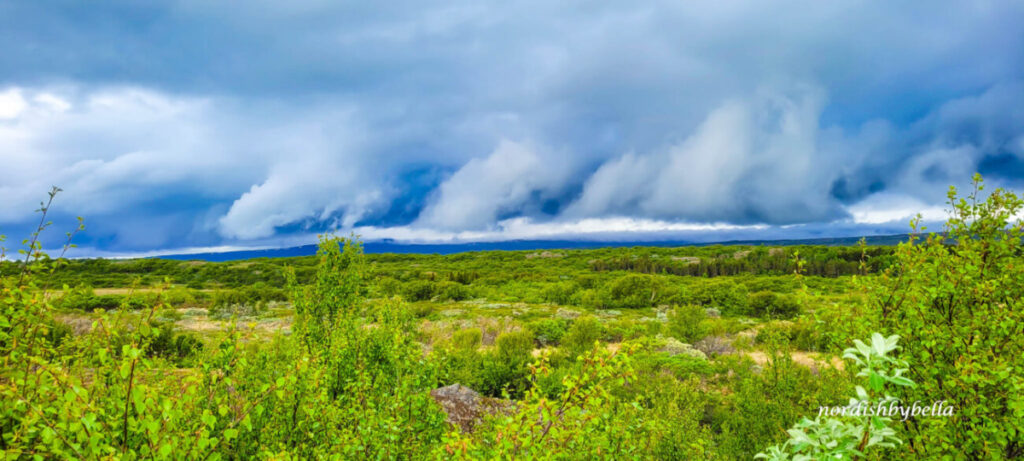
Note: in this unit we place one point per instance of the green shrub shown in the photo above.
(550, 331)
(633, 291)
(745, 421)
(83, 298)
(418, 290)
(852, 436)
(559, 292)
(467, 339)
(515, 347)
(623, 330)
(724, 326)
(462, 362)
(179, 297)
(504, 370)
(582, 421)
(582, 334)
(421, 309)
(57, 333)
(772, 305)
(168, 344)
(957, 303)
(451, 291)
(388, 286)
(257, 294)
(588, 298)
(727, 296)
(686, 323)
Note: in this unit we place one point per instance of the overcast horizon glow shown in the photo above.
(194, 124)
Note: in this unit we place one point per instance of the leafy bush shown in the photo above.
(726, 296)
(836, 438)
(623, 330)
(583, 421)
(388, 286)
(588, 298)
(451, 291)
(686, 323)
(582, 334)
(634, 291)
(418, 290)
(83, 298)
(57, 333)
(681, 365)
(559, 293)
(421, 309)
(549, 332)
(957, 302)
(467, 339)
(505, 369)
(350, 374)
(745, 421)
(803, 333)
(258, 294)
(515, 346)
(772, 305)
(168, 344)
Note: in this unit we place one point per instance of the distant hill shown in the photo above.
(514, 245)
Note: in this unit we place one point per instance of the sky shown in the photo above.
(192, 124)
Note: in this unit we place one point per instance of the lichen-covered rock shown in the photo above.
(466, 407)
(676, 347)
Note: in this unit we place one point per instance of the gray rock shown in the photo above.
(466, 407)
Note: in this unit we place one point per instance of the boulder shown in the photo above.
(466, 407)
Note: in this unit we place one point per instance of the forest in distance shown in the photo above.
(710, 352)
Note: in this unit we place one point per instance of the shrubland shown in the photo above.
(632, 353)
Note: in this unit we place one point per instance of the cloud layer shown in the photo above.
(185, 124)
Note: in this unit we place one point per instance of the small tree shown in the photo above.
(956, 300)
(685, 323)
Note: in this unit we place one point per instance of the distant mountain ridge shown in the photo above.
(517, 245)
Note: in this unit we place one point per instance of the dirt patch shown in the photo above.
(199, 324)
(808, 359)
(274, 325)
(123, 291)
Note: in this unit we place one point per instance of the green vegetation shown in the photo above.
(626, 353)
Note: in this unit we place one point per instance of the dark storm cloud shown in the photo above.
(220, 123)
